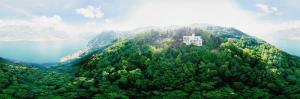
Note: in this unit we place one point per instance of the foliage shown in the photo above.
(156, 64)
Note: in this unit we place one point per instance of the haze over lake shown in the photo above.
(39, 52)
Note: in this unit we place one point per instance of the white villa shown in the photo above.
(195, 40)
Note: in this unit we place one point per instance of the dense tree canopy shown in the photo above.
(157, 64)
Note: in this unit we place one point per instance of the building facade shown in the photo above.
(192, 40)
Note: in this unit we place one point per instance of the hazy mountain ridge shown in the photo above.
(103, 39)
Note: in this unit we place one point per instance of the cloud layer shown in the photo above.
(92, 19)
(90, 12)
(44, 28)
(266, 10)
(216, 12)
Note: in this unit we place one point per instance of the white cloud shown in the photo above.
(38, 29)
(109, 21)
(216, 12)
(149, 13)
(91, 12)
(267, 10)
(44, 28)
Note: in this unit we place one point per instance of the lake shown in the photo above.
(39, 52)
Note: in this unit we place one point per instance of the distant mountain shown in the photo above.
(106, 38)
(101, 40)
(2, 60)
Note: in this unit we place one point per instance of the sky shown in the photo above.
(54, 20)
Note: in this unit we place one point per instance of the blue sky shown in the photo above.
(16, 9)
(276, 21)
(66, 19)
(286, 9)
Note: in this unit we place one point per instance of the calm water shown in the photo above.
(39, 52)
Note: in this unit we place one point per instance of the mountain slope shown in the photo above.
(98, 43)
(231, 64)
(157, 64)
(20, 81)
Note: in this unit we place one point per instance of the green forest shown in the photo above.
(157, 64)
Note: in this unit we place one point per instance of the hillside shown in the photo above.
(231, 64)
(19, 81)
(157, 64)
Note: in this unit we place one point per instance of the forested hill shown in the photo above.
(157, 64)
